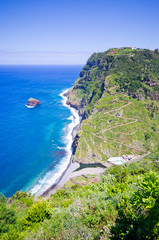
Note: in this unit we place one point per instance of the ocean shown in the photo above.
(35, 143)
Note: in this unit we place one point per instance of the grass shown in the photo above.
(104, 134)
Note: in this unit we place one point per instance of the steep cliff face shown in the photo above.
(117, 94)
(131, 71)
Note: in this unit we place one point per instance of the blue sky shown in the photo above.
(68, 32)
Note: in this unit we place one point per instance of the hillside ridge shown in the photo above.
(112, 91)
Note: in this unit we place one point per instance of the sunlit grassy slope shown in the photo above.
(119, 125)
(117, 94)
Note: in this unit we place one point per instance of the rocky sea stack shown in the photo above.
(32, 102)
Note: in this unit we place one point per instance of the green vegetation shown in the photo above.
(117, 93)
(122, 205)
(131, 71)
(119, 125)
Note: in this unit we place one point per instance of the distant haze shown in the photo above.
(68, 32)
(43, 57)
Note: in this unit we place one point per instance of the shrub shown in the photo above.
(138, 218)
(7, 218)
(13, 234)
(37, 213)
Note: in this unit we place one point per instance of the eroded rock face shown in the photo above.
(32, 102)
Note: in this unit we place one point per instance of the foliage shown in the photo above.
(116, 94)
(122, 205)
(118, 126)
(13, 234)
(24, 197)
(7, 218)
(134, 71)
(138, 217)
(37, 213)
(3, 199)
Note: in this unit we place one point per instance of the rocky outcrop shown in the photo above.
(154, 96)
(75, 143)
(138, 96)
(32, 102)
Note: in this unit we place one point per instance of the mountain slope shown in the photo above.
(117, 95)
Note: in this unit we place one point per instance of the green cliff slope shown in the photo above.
(132, 71)
(117, 94)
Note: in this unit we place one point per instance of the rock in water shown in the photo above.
(32, 102)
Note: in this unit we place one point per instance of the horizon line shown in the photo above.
(36, 64)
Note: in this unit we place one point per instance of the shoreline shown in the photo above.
(71, 167)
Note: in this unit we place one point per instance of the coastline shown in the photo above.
(71, 167)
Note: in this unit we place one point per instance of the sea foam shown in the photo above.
(29, 106)
(52, 177)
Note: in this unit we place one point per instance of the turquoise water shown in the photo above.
(34, 143)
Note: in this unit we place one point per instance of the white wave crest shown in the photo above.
(61, 147)
(70, 118)
(29, 106)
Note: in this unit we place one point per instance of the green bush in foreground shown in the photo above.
(138, 217)
(122, 205)
(37, 213)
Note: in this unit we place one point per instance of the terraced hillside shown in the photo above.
(117, 96)
(119, 125)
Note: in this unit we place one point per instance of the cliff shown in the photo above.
(117, 95)
(132, 71)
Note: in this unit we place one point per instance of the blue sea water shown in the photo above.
(33, 141)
